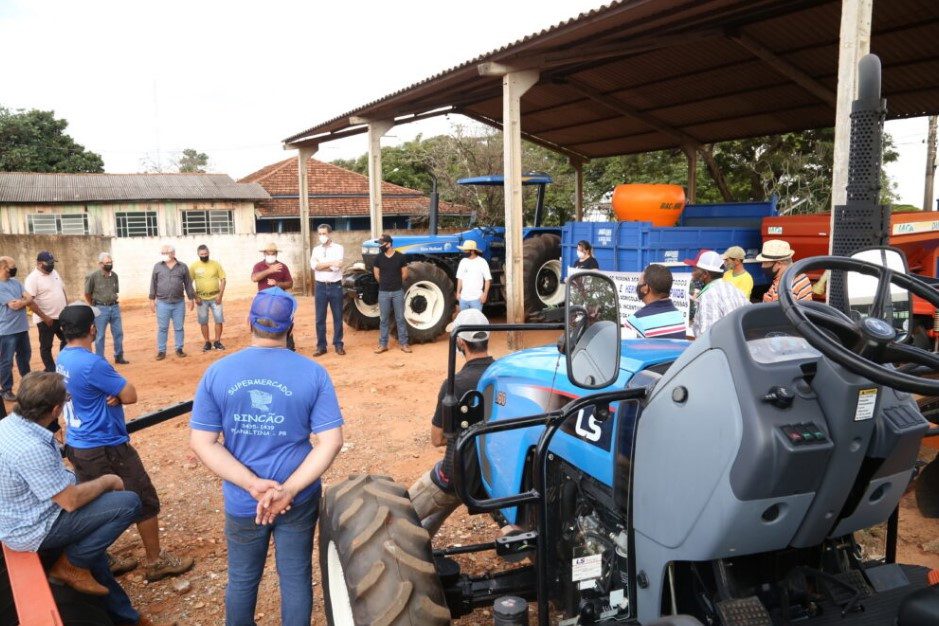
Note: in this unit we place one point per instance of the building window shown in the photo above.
(58, 224)
(136, 223)
(208, 223)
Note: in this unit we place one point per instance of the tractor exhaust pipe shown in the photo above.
(433, 210)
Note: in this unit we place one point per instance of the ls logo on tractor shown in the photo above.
(589, 429)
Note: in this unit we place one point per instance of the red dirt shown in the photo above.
(386, 400)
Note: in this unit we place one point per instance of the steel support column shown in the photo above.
(303, 162)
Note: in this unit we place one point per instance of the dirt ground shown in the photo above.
(386, 400)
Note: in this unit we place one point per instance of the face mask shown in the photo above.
(770, 272)
(642, 291)
(581, 255)
(166, 258)
(384, 247)
(49, 266)
(270, 259)
(12, 272)
(204, 259)
(323, 239)
(108, 267)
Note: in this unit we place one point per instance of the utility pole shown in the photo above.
(928, 204)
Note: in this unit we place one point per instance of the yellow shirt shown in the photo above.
(206, 276)
(743, 282)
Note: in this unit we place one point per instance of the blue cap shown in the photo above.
(274, 305)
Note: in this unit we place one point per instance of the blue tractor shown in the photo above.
(664, 482)
(431, 286)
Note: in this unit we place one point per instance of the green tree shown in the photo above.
(35, 141)
(192, 161)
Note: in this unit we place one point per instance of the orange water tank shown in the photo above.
(660, 204)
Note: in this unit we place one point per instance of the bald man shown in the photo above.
(14, 327)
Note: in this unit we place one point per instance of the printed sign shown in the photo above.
(866, 401)
(586, 567)
(910, 228)
(774, 230)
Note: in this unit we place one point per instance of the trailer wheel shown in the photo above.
(541, 270)
(376, 559)
(428, 301)
(359, 314)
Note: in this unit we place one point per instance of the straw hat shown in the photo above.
(775, 250)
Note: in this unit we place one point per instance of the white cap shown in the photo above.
(468, 317)
(710, 261)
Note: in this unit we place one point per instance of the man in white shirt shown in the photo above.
(472, 278)
(326, 263)
(48, 293)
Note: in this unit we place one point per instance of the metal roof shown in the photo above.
(640, 75)
(23, 187)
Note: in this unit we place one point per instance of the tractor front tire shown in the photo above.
(429, 298)
(541, 272)
(358, 314)
(376, 559)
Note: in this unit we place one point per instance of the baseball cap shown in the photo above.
(694, 262)
(734, 252)
(468, 317)
(274, 305)
(710, 261)
(45, 256)
(78, 317)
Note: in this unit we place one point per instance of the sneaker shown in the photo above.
(168, 565)
(381, 349)
(180, 353)
(406, 348)
(9, 397)
(207, 346)
(120, 360)
(121, 565)
(161, 356)
(218, 345)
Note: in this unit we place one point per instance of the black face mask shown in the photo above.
(108, 267)
(204, 259)
(49, 266)
(642, 291)
(12, 272)
(770, 272)
(384, 247)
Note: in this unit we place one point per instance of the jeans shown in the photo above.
(109, 315)
(165, 311)
(10, 345)
(85, 534)
(388, 300)
(46, 336)
(328, 294)
(471, 304)
(247, 552)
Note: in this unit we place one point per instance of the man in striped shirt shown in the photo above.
(777, 257)
(658, 319)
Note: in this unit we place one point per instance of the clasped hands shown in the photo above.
(273, 499)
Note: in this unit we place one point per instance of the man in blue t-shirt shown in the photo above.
(265, 401)
(14, 328)
(658, 319)
(96, 435)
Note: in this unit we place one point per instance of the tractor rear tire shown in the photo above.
(541, 271)
(359, 315)
(429, 298)
(376, 559)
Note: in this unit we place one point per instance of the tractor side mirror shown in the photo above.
(592, 330)
(862, 290)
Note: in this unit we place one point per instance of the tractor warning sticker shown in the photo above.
(866, 401)
(586, 567)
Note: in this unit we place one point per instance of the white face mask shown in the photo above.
(270, 259)
(166, 258)
(323, 239)
(581, 255)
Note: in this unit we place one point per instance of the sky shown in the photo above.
(139, 82)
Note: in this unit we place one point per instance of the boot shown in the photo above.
(77, 578)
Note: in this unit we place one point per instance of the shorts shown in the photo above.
(123, 460)
(203, 312)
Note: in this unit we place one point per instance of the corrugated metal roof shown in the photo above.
(23, 187)
(682, 63)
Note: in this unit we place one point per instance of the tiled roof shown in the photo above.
(25, 187)
(335, 191)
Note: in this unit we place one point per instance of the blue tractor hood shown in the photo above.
(534, 381)
(438, 244)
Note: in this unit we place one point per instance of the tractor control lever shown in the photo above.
(781, 397)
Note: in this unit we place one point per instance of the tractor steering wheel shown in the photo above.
(863, 347)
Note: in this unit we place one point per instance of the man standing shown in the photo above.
(14, 328)
(736, 273)
(169, 285)
(472, 278)
(777, 257)
(209, 278)
(271, 472)
(658, 319)
(390, 271)
(44, 509)
(327, 272)
(718, 297)
(96, 435)
(101, 291)
(47, 292)
(432, 495)
(273, 273)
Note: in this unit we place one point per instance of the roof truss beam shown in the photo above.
(573, 154)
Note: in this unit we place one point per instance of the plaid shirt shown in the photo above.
(31, 472)
(716, 300)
